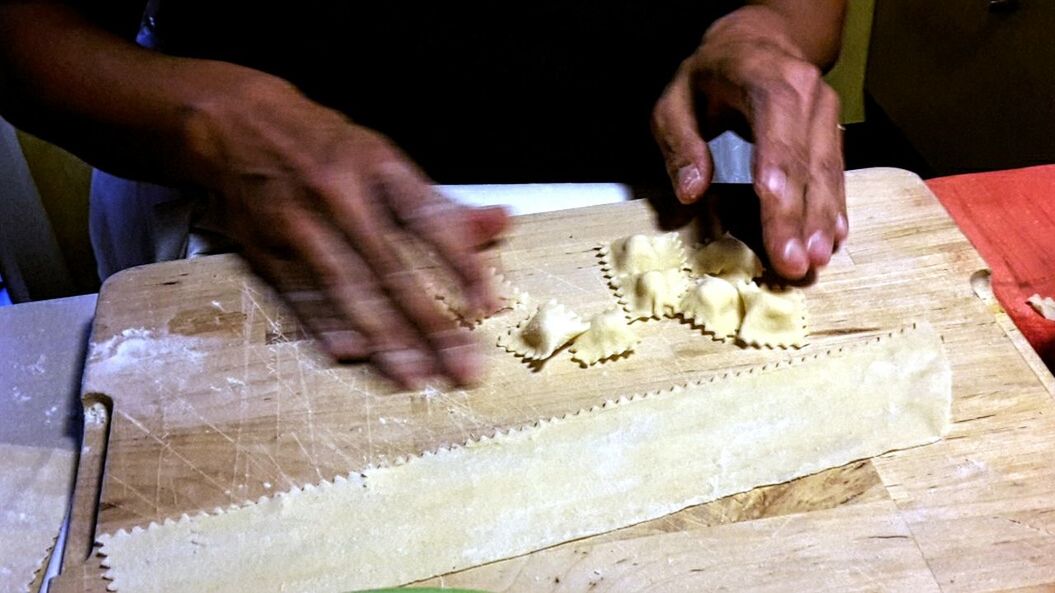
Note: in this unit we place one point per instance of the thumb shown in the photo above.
(677, 133)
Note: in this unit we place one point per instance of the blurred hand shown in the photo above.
(748, 71)
(325, 209)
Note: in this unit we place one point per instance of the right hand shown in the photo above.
(749, 70)
(322, 207)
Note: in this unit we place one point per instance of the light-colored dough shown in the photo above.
(551, 326)
(774, 318)
(509, 299)
(609, 335)
(624, 259)
(1043, 305)
(654, 294)
(715, 305)
(35, 485)
(728, 258)
(626, 462)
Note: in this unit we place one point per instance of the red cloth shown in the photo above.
(1009, 217)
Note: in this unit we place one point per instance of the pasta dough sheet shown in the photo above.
(35, 484)
(628, 461)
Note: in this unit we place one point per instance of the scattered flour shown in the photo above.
(133, 349)
(38, 368)
(18, 396)
(971, 467)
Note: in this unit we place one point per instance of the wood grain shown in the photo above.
(218, 399)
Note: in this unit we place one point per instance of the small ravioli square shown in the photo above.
(548, 329)
(609, 335)
(715, 305)
(637, 254)
(653, 294)
(772, 317)
(728, 258)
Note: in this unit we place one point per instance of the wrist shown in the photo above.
(753, 26)
(211, 101)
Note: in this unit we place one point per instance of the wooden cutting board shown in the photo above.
(212, 397)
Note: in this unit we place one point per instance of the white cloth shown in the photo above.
(134, 223)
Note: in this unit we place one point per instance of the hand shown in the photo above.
(325, 210)
(748, 70)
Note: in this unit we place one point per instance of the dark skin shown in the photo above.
(322, 205)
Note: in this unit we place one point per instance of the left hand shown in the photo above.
(748, 70)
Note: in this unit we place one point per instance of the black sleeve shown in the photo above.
(120, 17)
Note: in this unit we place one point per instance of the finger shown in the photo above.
(337, 336)
(367, 228)
(825, 194)
(486, 224)
(309, 303)
(443, 225)
(842, 220)
(779, 114)
(677, 132)
(349, 282)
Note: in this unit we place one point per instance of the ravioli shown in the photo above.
(632, 256)
(609, 335)
(773, 318)
(728, 258)
(546, 331)
(654, 294)
(509, 297)
(715, 305)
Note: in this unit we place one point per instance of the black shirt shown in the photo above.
(474, 92)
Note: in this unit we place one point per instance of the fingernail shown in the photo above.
(842, 228)
(819, 248)
(775, 180)
(794, 256)
(688, 183)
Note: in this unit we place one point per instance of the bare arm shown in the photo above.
(118, 106)
(814, 26)
(321, 206)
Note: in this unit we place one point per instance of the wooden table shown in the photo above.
(212, 397)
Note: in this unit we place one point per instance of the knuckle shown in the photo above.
(830, 98)
(794, 83)
(801, 75)
(327, 182)
(822, 211)
(790, 157)
(776, 92)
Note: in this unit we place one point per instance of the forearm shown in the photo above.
(120, 107)
(812, 29)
